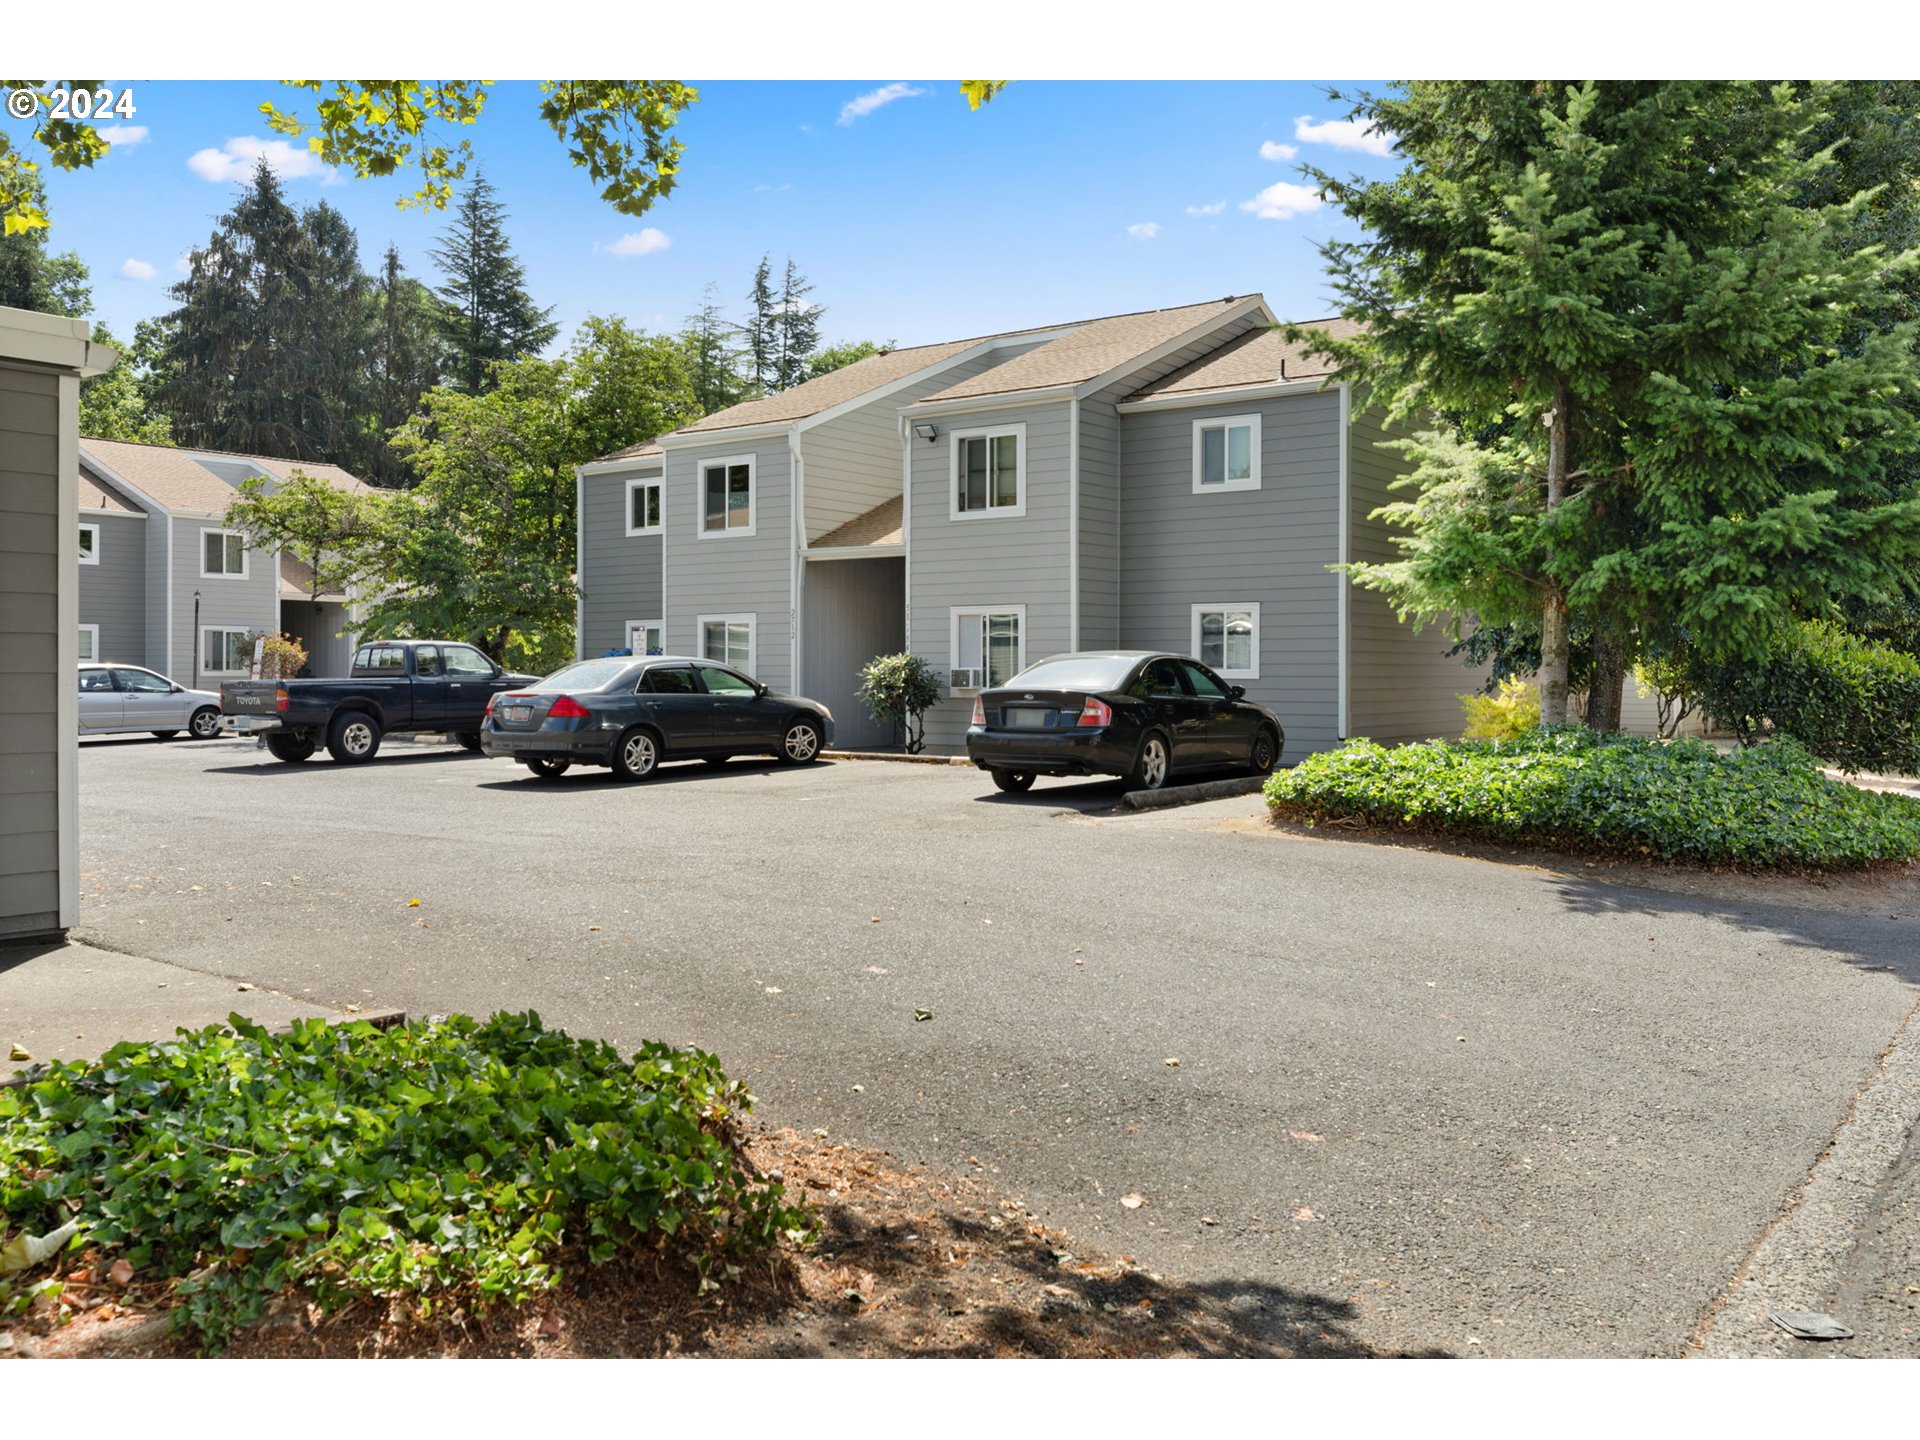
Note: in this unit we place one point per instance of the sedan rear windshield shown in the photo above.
(1078, 672)
(586, 675)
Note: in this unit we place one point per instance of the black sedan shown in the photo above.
(631, 714)
(1138, 714)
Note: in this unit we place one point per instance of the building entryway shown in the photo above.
(854, 610)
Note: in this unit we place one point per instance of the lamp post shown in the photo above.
(196, 639)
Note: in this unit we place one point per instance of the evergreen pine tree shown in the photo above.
(31, 279)
(405, 363)
(713, 353)
(488, 316)
(761, 331)
(797, 329)
(1670, 406)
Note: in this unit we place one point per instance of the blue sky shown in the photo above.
(917, 219)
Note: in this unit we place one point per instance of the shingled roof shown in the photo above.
(187, 480)
(96, 494)
(882, 525)
(1260, 357)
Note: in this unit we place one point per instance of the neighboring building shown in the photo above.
(42, 361)
(164, 584)
(1172, 479)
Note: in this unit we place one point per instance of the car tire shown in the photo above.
(1265, 752)
(291, 749)
(467, 739)
(353, 738)
(548, 769)
(165, 734)
(1151, 764)
(204, 723)
(1014, 782)
(801, 744)
(636, 754)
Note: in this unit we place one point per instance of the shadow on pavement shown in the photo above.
(585, 779)
(261, 763)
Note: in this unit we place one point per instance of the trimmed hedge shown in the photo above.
(1848, 700)
(459, 1162)
(1576, 789)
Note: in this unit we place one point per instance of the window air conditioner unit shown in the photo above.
(963, 680)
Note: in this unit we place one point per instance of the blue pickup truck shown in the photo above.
(395, 685)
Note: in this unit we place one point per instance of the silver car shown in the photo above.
(116, 698)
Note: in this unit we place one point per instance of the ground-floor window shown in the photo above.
(225, 651)
(89, 642)
(1226, 637)
(988, 645)
(646, 637)
(728, 639)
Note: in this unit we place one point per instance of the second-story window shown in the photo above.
(223, 553)
(1226, 453)
(726, 496)
(643, 507)
(988, 472)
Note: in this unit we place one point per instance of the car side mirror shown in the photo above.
(760, 691)
(1236, 692)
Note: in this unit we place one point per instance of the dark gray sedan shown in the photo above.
(632, 714)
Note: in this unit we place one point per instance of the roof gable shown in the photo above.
(1259, 357)
(204, 481)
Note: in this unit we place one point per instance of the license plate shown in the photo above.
(1027, 719)
(519, 714)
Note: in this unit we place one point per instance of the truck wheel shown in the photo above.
(353, 738)
(292, 747)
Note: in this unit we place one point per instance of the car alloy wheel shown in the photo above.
(1150, 770)
(205, 723)
(637, 756)
(801, 745)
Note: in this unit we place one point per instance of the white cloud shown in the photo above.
(137, 270)
(1274, 150)
(636, 242)
(775, 189)
(1219, 207)
(124, 136)
(1283, 200)
(871, 101)
(1144, 231)
(1343, 135)
(236, 159)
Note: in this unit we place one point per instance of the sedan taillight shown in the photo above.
(1095, 712)
(979, 712)
(568, 708)
(490, 699)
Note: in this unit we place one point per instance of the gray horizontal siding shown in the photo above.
(734, 574)
(855, 610)
(994, 560)
(1402, 685)
(36, 652)
(620, 579)
(113, 592)
(1270, 546)
(251, 603)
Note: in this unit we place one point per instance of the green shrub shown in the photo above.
(1580, 790)
(1848, 700)
(1507, 714)
(898, 690)
(448, 1163)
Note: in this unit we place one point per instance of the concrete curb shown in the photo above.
(1188, 794)
(1801, 1260)
(888, 755)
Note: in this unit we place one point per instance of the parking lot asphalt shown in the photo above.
(1452, 1105)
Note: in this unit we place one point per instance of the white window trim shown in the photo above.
(1216, 422)
(93, 650)
(992, 511)
(246, 556)
(700, 624)
(953, 639)
(656, 483)
(633, 625)
(1253, 609)
(752, 462)
(92, 556)
(206, 630)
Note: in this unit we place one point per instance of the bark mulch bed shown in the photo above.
(908, 1263)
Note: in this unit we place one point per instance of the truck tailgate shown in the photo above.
(251, 697)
